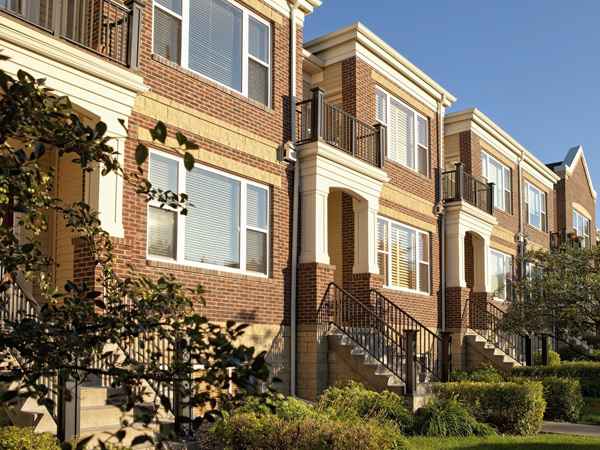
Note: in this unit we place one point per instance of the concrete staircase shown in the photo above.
(374, 372)
(498, 358)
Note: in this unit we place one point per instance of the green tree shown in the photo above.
(559, 295)
(83, 332)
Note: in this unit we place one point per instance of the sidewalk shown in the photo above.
(571, 428)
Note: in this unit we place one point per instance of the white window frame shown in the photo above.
(243, 227)
(506, 182)
(387, 253)
(577, 220)
(543, 211)
(184, 56)
(416, 116)
(507, 261)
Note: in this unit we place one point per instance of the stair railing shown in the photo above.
(484, 320)
(429, 345)
(369, 331)
(16, 305)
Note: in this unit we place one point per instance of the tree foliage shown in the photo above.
(81, 332)
(560, 295)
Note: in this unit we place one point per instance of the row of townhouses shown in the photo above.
(338, 206)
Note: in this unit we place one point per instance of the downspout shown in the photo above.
(441, 210)
(293, 9)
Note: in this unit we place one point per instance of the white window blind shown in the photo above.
(218, 39)
(501, 273)
(495, 172)
(535, 207)
(227, 224)
(581, 226)
(407, 132)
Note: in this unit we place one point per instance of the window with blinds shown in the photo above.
(581, 226)
(218, 39)
(501, 273)
(226, 227)
(535, 207)
(407, 132)
(403, 256)
(495, 172)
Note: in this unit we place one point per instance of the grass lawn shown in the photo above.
(540, 442)
(591, 411)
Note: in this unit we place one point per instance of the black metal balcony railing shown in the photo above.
(105, 27)
(318, 120)
(459, 185)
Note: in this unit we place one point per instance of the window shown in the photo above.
(407, 132)
(501, 271)
(226, 228)
(403, 256)
(581, 226)
(535, 207)
(495, 172)
(218, 40)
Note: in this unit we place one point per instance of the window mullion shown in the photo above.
(180, 252)
(242, 226)
(185, 33)
(245, 52)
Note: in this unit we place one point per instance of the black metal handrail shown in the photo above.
(367, 329)
(459, 185)
(104, 27)
(318, 120)
(429, 344)
(484, 320)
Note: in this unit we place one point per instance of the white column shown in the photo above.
(455, 260)
(314, 227)
(481, 265)
(365, 229)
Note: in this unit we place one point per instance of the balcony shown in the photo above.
(317, 120)
(459, 186)
(105, 27)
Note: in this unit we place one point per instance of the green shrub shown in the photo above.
(514, 408)
(483, 372)
(588, 374)
(354, 400)
(553, 358)
(287, 408)
(448, 418)
(17, 438)
(575, 353)
(270, 432)
(564, 401)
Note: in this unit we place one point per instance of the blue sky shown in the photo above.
(532, 66)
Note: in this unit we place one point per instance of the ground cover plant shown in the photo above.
(590, 412)
(539, 442)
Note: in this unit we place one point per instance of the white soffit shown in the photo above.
(477, 122)
(358, 40)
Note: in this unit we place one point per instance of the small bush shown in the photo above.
(448, 418)
(483, 372)
(17, 438)
(564, 401)
(287, 408)
(514, 408)
(354, 400)
(575, 353)
(553, 358)
(248, 431)
(588, 374)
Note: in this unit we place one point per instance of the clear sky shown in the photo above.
(531, 66)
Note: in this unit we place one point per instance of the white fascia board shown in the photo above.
(474, 120)
(368, 46)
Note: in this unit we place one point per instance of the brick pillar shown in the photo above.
(457, 311)
(311, 338)
(85, 269)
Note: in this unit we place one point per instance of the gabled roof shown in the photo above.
(567, 167)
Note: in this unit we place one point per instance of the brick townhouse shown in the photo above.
(337, 207)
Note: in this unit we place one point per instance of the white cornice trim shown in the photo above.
(474, 120)
(64, 54)
(357, 33)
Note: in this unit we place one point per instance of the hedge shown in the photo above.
(514, 408)
(563, 399)
(588, 374)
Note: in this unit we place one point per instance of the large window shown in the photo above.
(217, 39)
(501, 271)
(403, 256)
(499, 174)
(407, 132)
(226, 227)
(535, 207)
(581, 226)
